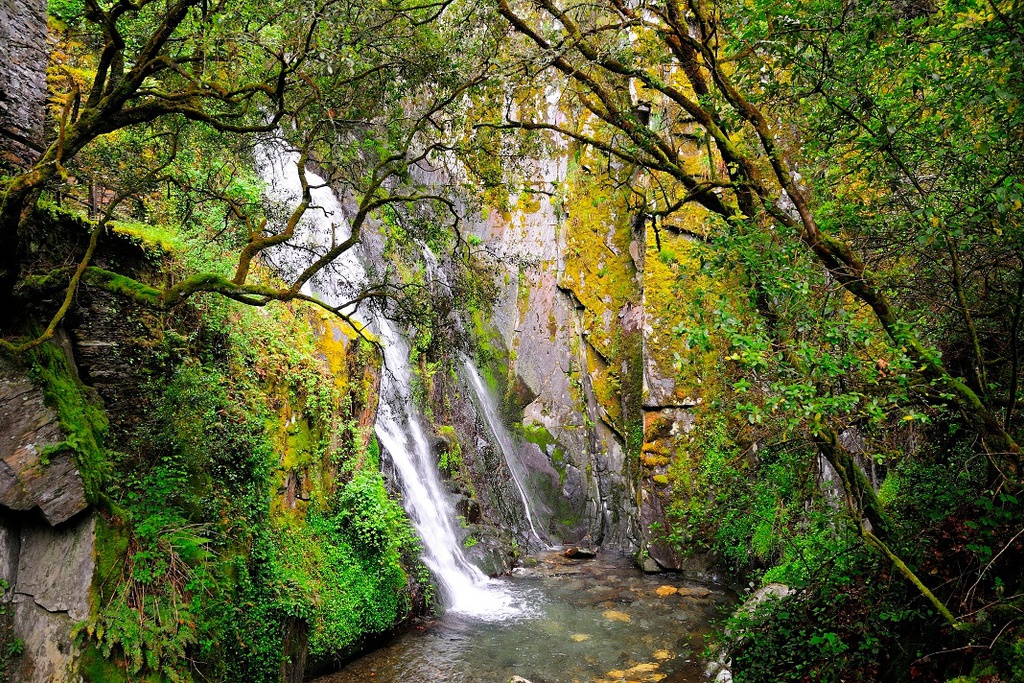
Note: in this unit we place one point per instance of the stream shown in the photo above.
(582, 620)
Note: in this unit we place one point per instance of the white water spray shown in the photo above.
(465, 588)
(322, 227)
(504, 440)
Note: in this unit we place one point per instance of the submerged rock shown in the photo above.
(649, 565)
(694, 592)
(616, 615)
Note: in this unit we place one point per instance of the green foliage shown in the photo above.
(352, 557)
(745, 510)
(68, 11)
(191, 489)
(200, 571)
(834, 644)
(450, 460)
(852, 616)
(374, 522)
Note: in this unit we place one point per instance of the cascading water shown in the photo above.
(504, 440)
(322, 226)
(464, 588)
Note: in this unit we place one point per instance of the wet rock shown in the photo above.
(649, 565)
(615, 615)
(468, 508)
(491, 552)
(518, 679)
(597, 597)
(580, 553)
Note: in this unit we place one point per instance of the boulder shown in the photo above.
(771, 591)
(29, 476)
(648, 565)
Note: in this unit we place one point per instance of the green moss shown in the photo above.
(82, 421)
(450, 460)
(125, 286)
(537, 434)
(111, 549)
(95, 668)
(156, 238)
(298, 447)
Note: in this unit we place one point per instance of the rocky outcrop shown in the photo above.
(46, 543)
(31, 476)
(569, 284)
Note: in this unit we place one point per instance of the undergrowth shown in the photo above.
(204, 570)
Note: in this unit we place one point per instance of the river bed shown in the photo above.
(595, 620)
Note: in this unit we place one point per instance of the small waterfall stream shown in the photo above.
(489, 409)
(464, 588)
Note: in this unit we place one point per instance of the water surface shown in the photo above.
(596, 621)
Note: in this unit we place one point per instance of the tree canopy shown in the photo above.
(853, 169)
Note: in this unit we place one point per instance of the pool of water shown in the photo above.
(592, 620)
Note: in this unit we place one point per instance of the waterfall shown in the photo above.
(322, 226)
(489, 409)
(464, 588)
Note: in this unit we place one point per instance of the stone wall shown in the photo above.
(23, 53)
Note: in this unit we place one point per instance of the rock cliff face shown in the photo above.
(580, 343)
(572, 365)
(31, 477)
(561, 349)
(48, 571)
(47, 536)
(46, 545)
(23, 52)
